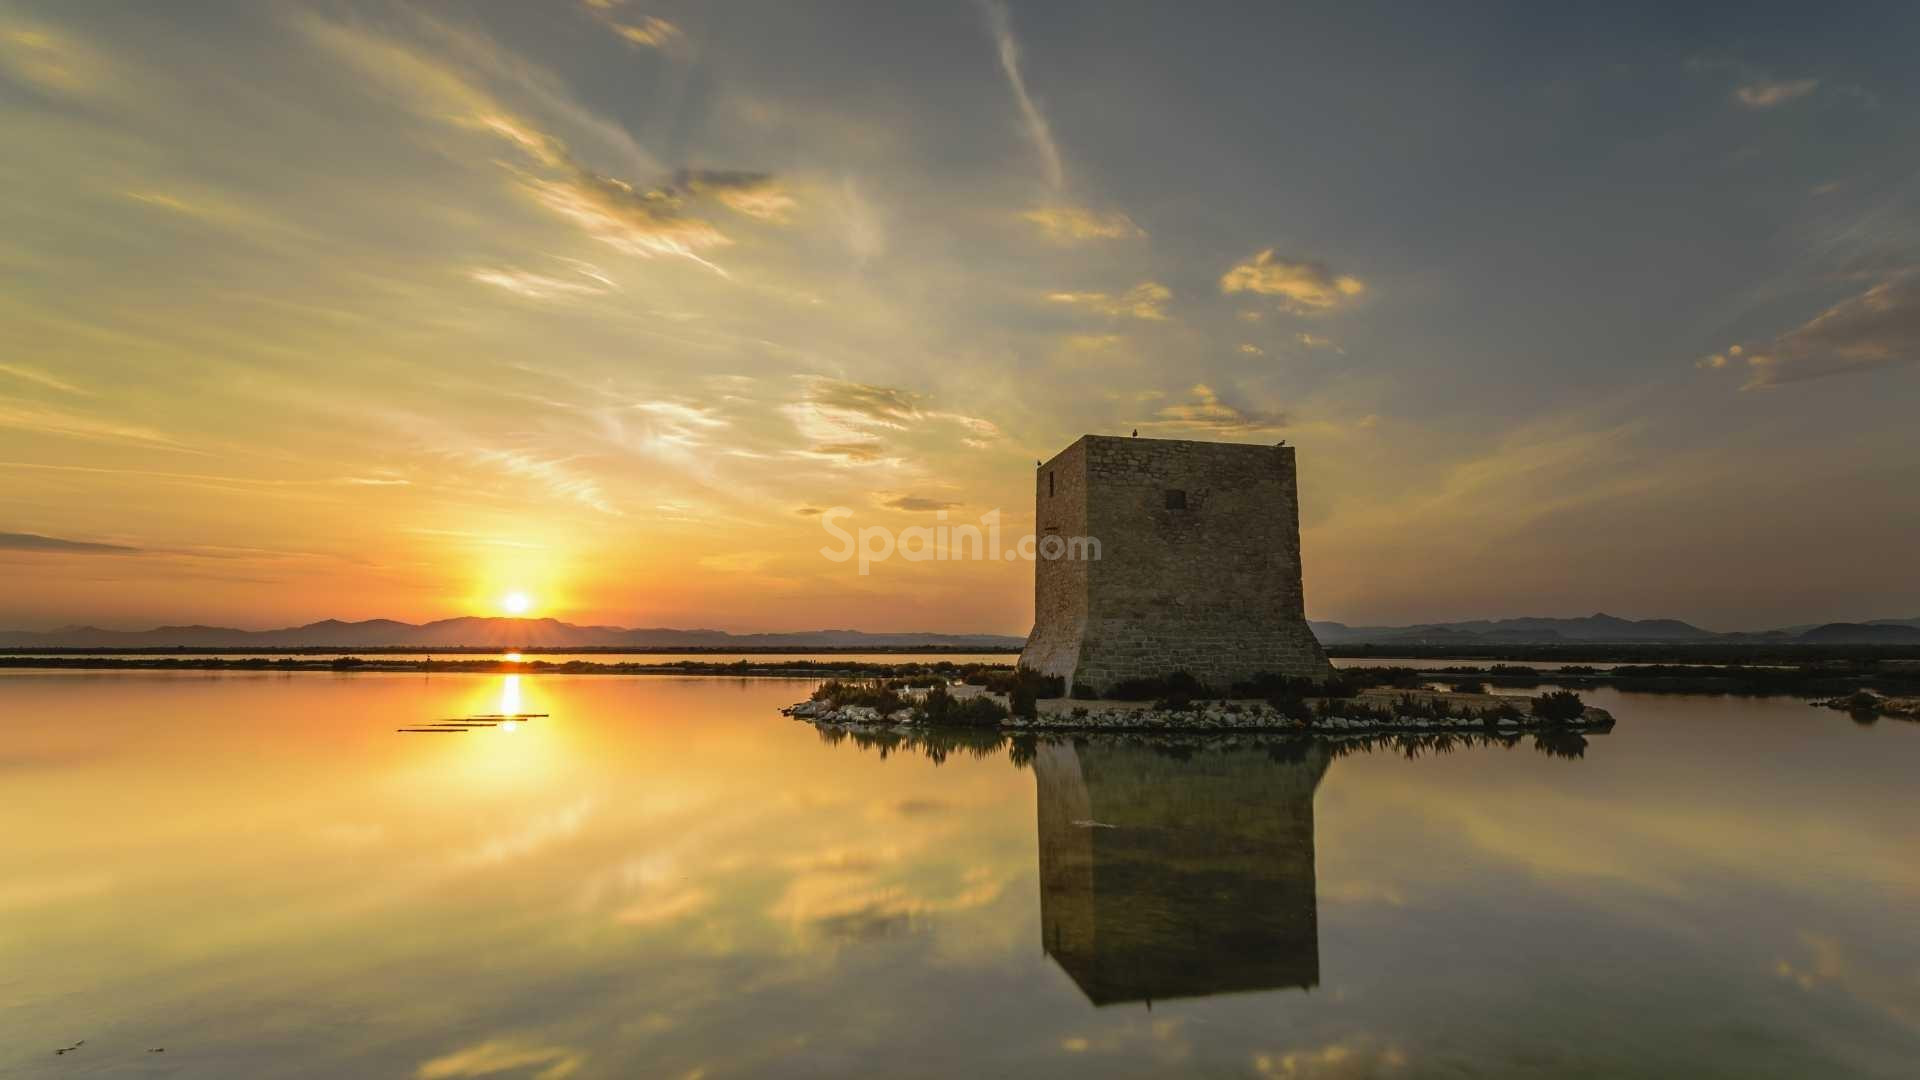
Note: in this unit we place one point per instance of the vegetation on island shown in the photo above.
(927, 700)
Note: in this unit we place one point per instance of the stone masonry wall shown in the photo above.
(1213, 588)
(1059, 586)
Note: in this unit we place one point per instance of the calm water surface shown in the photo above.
(258, 874)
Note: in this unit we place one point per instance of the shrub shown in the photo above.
(1339, 686)
(1083, 692)
(1023, 703)
(1559, 706)
(1506, 710)
(1034, 683)
(874, 695)
(1293, 708)
(977, 712)
(1161, 687)
(1178, 700)
(943, 709)
(1433, 708)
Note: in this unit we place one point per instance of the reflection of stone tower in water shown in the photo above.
(1164, 878)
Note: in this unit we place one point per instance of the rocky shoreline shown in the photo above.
(1205, 717)
(1865, 703)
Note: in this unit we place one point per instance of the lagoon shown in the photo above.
(222, 874)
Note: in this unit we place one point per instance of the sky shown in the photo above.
(370, 309)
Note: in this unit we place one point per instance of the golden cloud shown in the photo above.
(500, 1056)
(535, 286)
(1878, 328)
(1144, 301)
(645, 31)
(1070, 224)
(1303, 286)
(1206, 411)
(1766, 95)
(755, 194)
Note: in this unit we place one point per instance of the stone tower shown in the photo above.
(1197, 567)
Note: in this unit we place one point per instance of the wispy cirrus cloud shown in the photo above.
(1071, 224)
(852, 423)
(1878, 328)
(1000, 23)
(1146, 300)
(643, 223)
(1303, 286)
(40, 378)
(537, 286)
(645, 31)
(496, 1056)
(54, 545)
(916, 503)
(755, 194)
(845, 421)
(47, 420)
(1770, 93)
(554, 474)
(49, 61)
(632, 219)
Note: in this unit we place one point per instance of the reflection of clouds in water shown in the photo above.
(535, 834)
(350, 836)
(22, 893)
(1332, 1060)
(1362, 892)
(1825, 963)
(29, 760)
(496, 1056)
(841, 859)
(915, 807)
(832, 905)
(671, 906)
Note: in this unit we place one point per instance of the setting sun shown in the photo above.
(516, 603)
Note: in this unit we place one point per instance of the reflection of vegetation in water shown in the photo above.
(936, 744)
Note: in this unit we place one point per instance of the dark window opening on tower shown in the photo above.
(1176, 499)
(1049, 485)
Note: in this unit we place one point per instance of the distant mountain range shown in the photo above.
(484, 633)
(498, 633)
(1607, 629)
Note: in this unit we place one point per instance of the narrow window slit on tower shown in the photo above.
(1049, 485)
(1176, 499)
